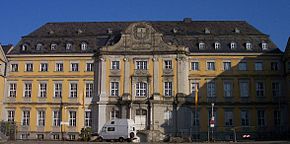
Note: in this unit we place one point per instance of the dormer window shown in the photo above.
(206, 31)
(237, 30)
(39, 46)
(217, 45)
(201, 45)
(84, 46)
(24, 47)
(68, 46)
(233, 45)
(248, 46)
(53, 46)
(264, 46)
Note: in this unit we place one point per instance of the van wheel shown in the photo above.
(100, 139)
(121, 139)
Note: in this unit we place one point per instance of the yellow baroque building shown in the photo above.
(198, 79)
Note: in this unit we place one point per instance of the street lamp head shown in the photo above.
(212, 104)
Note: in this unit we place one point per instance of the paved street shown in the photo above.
(79, 142)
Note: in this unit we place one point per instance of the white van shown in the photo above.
(118, 129)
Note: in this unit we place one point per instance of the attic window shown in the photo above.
(264, 46)
(174, 30)
(39, 46)
(206, 31)
(217, 45)
(53, 46)
(237, 30)
(79, 31)
(51, 32)
(84, 46)
(201, 45)
(110, 31)
(24, 47)
(68, 46)
(248, 46)
(233, 45)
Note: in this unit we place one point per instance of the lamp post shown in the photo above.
(212, 121)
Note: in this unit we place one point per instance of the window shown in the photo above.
(71, 137)
(277, 118)
(42, 89)
(89, 89)
(73, 90)
(245, 118)
(194, 88)
(243, 66)
(55, 136)
(56, 118)
(168, 64)
(210, 89)
(114, 88)
(201, 45)
(59, 67)
(24, 47)
(24, 136)
(248, 46)
(41, 118)
(244, 88)
(167, 88)
(115, 65)
(233, 45)
(25, 118)
(217, 45)
(14, 67)
(111, 129)
(168, 117)
(227, 66)
(195, 66)
(276, 89)
(260, 89)
(114, 114)
(39, 46)
(195, 116)
(43, 67)
(211, 66)
(228, 89)
(228, 118)
(68, 46)
(274, 66)
(10, 115)
(90, 66)
(258, 66)
(264, 46)
(88, 119)
(141, 89)
(84, 46)
(57, 90)
(261, 118)
(53, 46)
(141, 64)
(12, 89)
(29, 67)
(72, 118)
(74, 67)
(27, 90)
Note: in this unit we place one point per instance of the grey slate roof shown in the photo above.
(188, 34)
(6, 48)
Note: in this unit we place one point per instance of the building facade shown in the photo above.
(66, 76)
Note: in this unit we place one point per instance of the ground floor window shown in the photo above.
(40, 136)
(55, 136)
(24, 136)
(71, 137)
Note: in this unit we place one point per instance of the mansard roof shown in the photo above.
(184, 33)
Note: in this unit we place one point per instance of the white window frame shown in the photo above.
(74, 66)
(114, 88)
(59, 66)
(68, 46)
(88, 118)
(244, 88)
(228, 89)
(194, 84)
(28, 67)
(39, 46)
(211, 89)
(89, 89)
(89, 67)
(10, 115)
(14, 67)
(72, 118)
(195, 66)
(217, 45)
(210, 65)
(25, 118)
(227, 65)
(73, 89)
(168, 88)
(56, 118)
(168, 117)
(53, 46)
(57, 90)
(115, 65)
(41, 118)
(42, 89)
(201, 45)
(233, 45)
(43, 67)
(167, 64)
(260, 88)
(141, 64)
(141, 89)
(248, 46)
(264, 46)
(12, 89)
(27, 87)
(84, 46)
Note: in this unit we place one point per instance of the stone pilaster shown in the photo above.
(103, 94)
(156, 93)
(126, 77)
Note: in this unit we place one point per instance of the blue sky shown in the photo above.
(20, 17)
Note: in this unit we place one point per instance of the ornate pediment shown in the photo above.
(141, 37)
